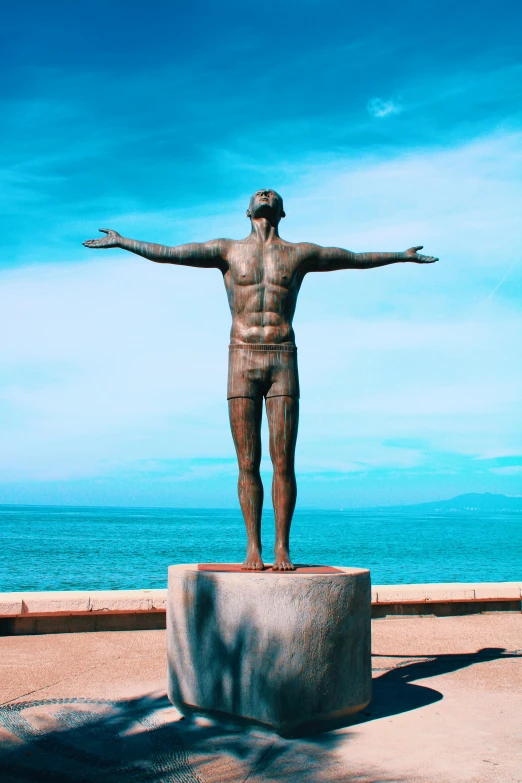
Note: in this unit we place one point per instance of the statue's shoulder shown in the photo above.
(223, 244)
(303, 250)
(223, 241)
(295, 246)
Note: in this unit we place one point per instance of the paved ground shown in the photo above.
(447, 708)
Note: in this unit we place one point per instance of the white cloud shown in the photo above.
(378, 107)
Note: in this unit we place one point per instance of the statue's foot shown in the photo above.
(254, 561)
(282, 561)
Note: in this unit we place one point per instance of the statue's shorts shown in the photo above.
(262, 371)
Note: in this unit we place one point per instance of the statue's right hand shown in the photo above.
(111, 240)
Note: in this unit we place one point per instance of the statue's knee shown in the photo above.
(283, 470)
(249, 470)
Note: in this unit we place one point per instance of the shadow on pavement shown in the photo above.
(394, 691)
(86, 740)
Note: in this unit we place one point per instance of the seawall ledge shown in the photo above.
(81, 601)
(74, 611)
(451, 591)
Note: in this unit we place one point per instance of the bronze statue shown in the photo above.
(262, 274)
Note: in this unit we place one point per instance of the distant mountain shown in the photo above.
(473, 501)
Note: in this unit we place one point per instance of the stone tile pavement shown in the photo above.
(447, 708)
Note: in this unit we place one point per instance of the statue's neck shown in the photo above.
(263, 230)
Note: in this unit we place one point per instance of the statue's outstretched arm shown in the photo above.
(201, 254)
(329, 259)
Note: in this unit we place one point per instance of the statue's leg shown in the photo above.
(245, 422)
(283, 418)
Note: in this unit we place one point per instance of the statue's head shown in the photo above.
(266, 203)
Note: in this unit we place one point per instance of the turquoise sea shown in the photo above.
(80, 548)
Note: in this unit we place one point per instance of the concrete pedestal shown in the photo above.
(290, 651)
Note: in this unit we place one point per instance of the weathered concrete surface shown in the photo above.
(446, 709)
(290, 651)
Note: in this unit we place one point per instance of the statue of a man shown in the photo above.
(262, 274)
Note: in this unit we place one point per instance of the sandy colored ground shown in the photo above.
(447, 708)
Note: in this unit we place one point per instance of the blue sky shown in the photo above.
(383, 126)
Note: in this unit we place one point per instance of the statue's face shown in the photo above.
(266, 202)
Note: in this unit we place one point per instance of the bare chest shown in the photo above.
(271, 265)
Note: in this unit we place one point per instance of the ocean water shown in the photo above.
(80, 548)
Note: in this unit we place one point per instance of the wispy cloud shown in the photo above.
(377, 107)
(514, 470)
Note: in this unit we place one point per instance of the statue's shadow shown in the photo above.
(395, 691)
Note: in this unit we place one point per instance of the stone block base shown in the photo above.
(290, 651)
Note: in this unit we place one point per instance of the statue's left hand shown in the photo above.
(412, 255)
(111, 240)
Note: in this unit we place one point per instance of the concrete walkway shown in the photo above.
(91, 707)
